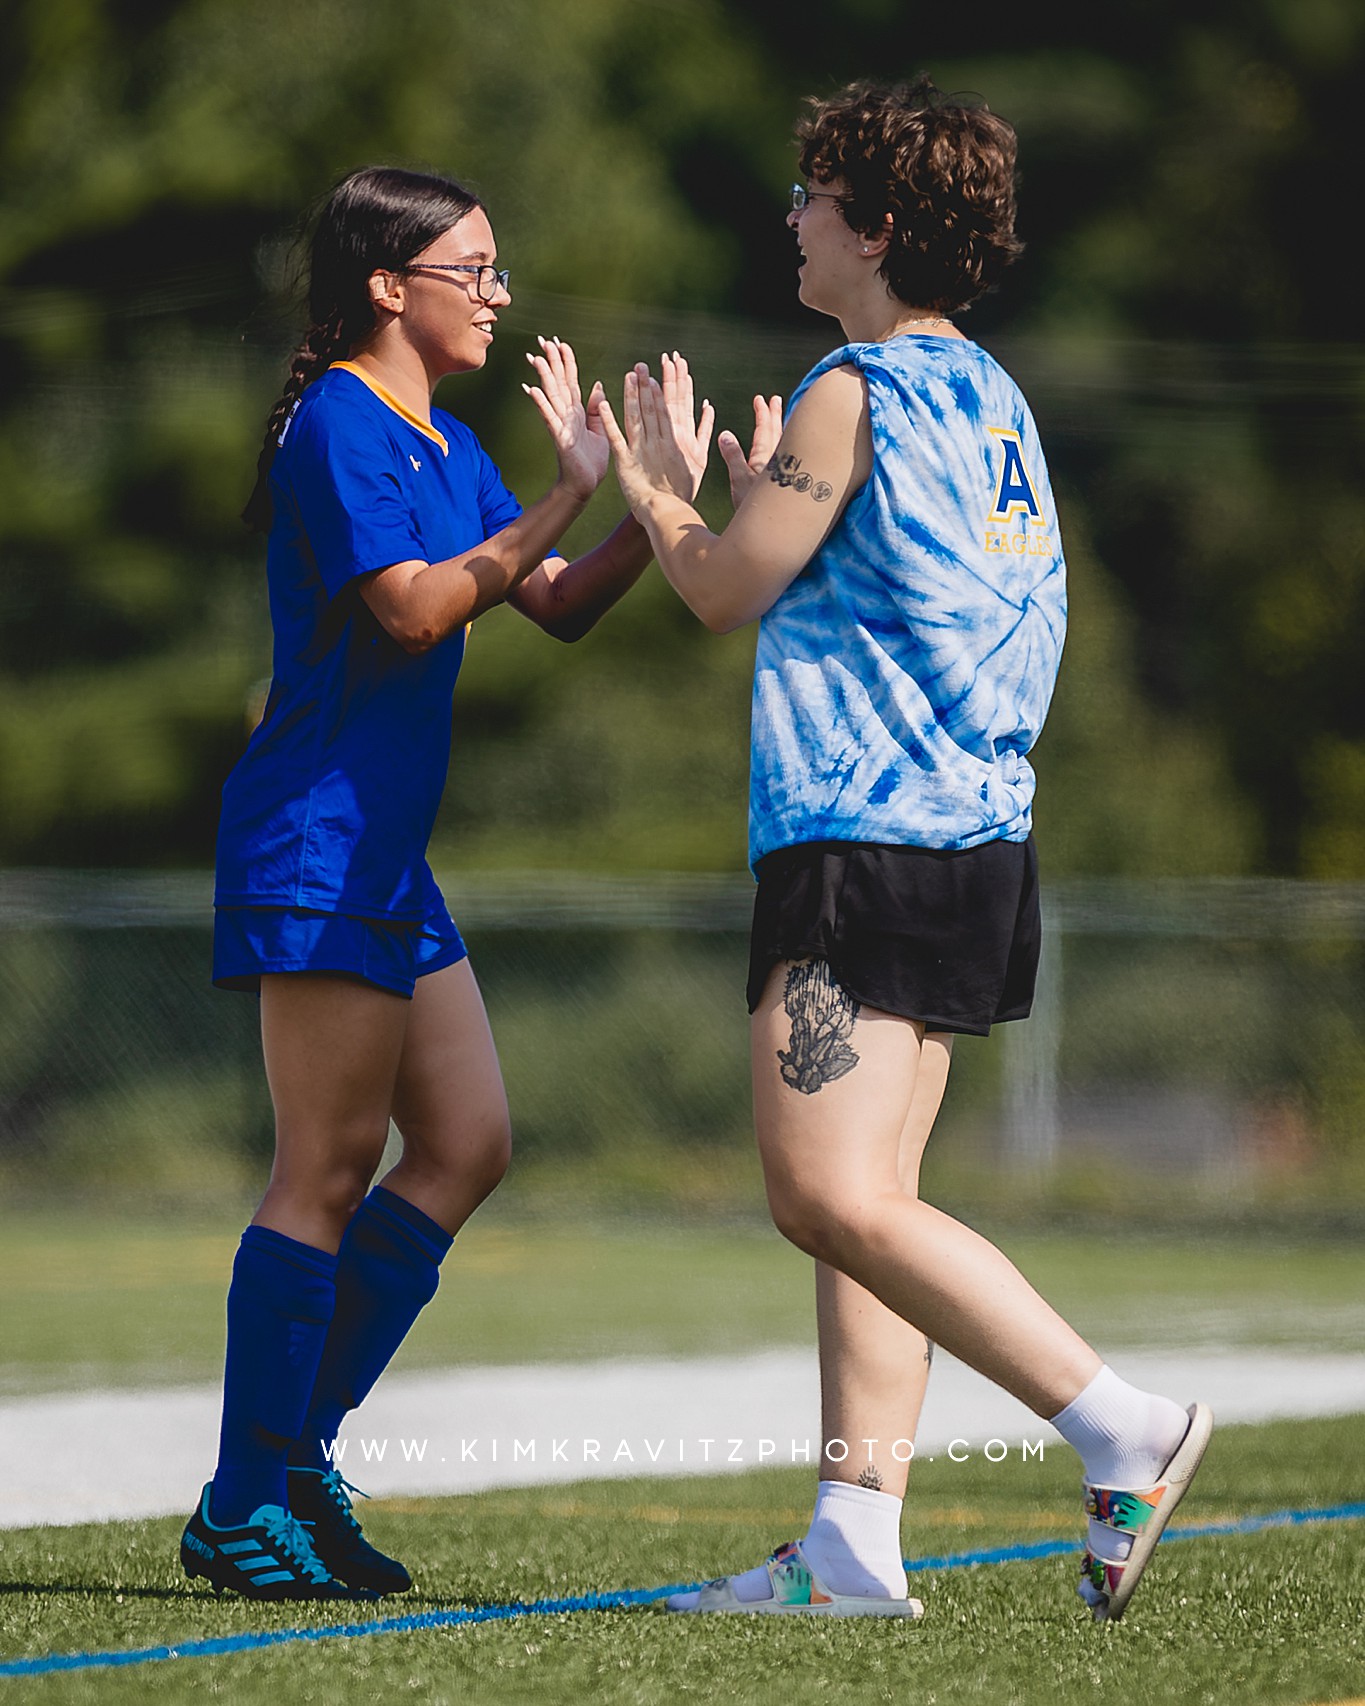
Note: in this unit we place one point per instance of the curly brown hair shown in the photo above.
(943, 170)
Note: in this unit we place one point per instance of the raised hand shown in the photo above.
(656, 446)
(579, 440)
(691, 433)
(744, 470)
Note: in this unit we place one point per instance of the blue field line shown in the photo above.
(616, 1601)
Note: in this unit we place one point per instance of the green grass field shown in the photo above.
(1272, 1617)
(1275, 1618)
(106, 1302)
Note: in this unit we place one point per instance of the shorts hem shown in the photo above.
(250, 943)
(957, 1025)
(452, 957)
(249, 983)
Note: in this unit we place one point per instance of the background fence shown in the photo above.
(1196, 1049)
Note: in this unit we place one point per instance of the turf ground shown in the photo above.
(101, 1301)
(1273, 1617)
(1270, 1618)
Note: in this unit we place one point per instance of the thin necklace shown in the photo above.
(925, 320)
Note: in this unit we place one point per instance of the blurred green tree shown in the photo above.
(1183, 327)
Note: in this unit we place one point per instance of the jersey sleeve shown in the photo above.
(497, 506)
(345, 483)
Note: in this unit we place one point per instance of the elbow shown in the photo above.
(414, 638)
(724, 622)
(567, 628)
(720, 608)
(724, 618)
(556, 615)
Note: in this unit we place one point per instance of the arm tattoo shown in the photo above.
(929, 1351)
(786, 471)
(822, 1015)
(870, 1476)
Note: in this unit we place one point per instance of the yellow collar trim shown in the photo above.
(426, 430)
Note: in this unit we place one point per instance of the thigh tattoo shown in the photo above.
(822, 1013)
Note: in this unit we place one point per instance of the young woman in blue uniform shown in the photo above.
(390, 532)
(899, 547)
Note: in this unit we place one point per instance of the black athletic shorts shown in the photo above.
(948, 938)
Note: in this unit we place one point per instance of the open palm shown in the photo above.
(575, 428)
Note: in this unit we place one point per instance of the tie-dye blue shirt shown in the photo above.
(904, 674)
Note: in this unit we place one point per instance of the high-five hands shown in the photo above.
(658, 446)
(579, 441)
(661, 444)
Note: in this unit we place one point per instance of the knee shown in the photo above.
(339, 1191)
(461, 1167)
(315, 1208)
(816, 1222)
(492, 1159)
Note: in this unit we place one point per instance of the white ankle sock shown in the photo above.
(854, 1543)
(1125, 1438)
(854, 1546)
(753, 1585)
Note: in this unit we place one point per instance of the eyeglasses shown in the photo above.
(488, 280)
(801, 196)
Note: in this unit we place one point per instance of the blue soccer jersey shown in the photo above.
(904, 674)
(332, 803)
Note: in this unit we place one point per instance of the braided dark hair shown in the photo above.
(377, 219)
(944, 169)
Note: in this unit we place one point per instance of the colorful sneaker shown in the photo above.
(270, 1557)
(797, 1591)
(322, 1499)
(1107, 1584)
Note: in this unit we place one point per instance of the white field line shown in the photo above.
(103, 1455)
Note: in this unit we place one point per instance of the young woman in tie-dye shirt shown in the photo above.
(897, 541)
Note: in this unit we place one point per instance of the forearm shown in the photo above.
(692, 559)
(421, 603)
(566, 602)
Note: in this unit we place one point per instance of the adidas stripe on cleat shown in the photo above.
(270, 1557)
(322, 1499)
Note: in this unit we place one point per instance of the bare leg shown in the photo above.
(833, 1089)
(446, 1093)
(844, 1098)
(332, 1049)
(449, 1102)
(874, 1367)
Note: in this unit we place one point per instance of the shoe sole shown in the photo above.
(1176, 1478)
(361, 1583)
(844, 1607)
(903, 1608)
(199, 1571)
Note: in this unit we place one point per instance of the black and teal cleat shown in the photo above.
(270, 1557)
(322, 1499)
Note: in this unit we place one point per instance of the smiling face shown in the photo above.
(443, 317)
(832, 260)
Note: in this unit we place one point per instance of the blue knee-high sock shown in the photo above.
(279, 1307)
(388, 1267)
